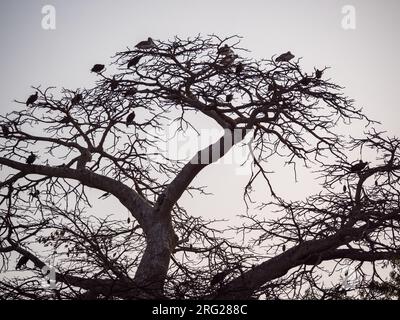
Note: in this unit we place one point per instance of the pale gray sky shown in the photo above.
(364, 60)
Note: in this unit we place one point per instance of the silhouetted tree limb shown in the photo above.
(88, 139)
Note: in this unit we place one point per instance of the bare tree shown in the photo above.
(108, 138)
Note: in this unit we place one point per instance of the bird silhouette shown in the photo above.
(344, 188)
(225, 50)
(22, 262)
(285, 57)
(318, 73)
(31, 159)
(128, 220)
(76, 99)
(239, 68)
(283, 248)
(147, 44)
(229, 97)
(97, 68)
(376, 183)
(134, 61)
(358, 167)
(32, 99)
(5, 129)
(130, 118)
(114, 84)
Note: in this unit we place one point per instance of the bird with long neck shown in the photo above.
(32, 99)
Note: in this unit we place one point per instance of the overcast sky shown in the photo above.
(363, 60)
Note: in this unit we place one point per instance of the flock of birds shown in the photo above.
(228, 57)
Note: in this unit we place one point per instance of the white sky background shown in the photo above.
(364, 60)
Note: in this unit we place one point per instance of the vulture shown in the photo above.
(305, 81)
(283, 248)
(76, 99)
(128, 220)
(229, 98)
(97, 68)
(318, 73)
(147, 44)
(376, 183)
(31, 159)
(113, 84)
(134, 61)
(344, 188)
(219, 277)
(5, 129)
(22, 262)
(285, 57)
(225, 50)
(130, 92)
(130, 118)
(32, 98)
(358, 167)
(239, 68)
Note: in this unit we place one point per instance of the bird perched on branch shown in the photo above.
(285, 57)
(5, 129)
(229, 97)
(358, 167)
(318, 73)
(32, 99)
(31, 159)
(76, 99)
(130, 118)
(22, 262)
(134, 61)
(97, 68)
(225, 50)
(147, 44)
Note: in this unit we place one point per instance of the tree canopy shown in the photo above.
(58, 147)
